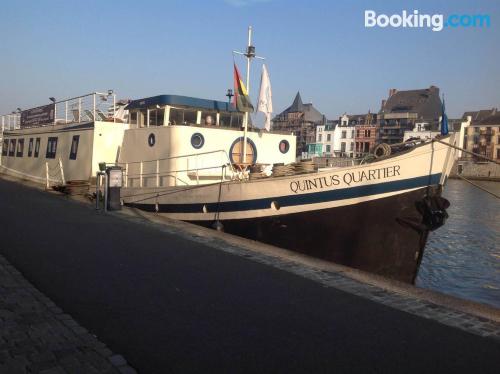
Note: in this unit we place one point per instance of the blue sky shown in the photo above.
(145, 48)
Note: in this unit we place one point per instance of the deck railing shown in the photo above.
(197, 166)
(95, 106)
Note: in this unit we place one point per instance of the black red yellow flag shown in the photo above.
(241, 98)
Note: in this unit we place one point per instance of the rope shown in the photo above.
(478, 186)
(466, 151)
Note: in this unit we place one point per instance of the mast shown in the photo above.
(249, 54)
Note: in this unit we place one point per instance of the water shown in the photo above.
(462, 258)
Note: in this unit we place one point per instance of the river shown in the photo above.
(462, 258)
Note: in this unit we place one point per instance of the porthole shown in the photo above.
(284, 146)
(151, 140)
(197, 140)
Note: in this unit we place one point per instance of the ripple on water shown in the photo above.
(462, 258)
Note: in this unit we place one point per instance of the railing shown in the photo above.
(95, 106)
(152, 173)
(54, 173)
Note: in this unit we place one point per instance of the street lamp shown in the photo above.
(53, 99)
(229, 95)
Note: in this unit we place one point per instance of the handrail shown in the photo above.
(83, 108)
(173, 157)
(173, 173)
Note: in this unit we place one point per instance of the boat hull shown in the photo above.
(384, 236)
(375, 217)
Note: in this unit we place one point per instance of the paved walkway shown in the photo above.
(170, 303)
(38, 337)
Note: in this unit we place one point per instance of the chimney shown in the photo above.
(392, 91)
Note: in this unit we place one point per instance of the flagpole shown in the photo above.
(245, 118)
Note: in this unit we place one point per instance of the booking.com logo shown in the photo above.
(436, 22)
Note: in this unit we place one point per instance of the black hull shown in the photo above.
(384, 236)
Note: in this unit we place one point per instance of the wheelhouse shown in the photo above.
(174, 110)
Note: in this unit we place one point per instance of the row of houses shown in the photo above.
(403, 115)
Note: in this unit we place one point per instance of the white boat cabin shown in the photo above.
(165, 140)
(178, 140)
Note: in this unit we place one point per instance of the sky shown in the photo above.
(320, 48)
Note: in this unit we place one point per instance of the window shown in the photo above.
(74, 147)
(328, 137)
(5, 147)
(328, 148)
(37, 147)
(197, 140)
(51, 148)
(225, 119)
(30, 147)
(20, 148)
(351, 147)
(344, 134)
(320, 137)
(133, 118)
(352, 134)
(182, 116)
(12, 147)
(342, 147)
(284, 146)
(208, 118)
(156, 117)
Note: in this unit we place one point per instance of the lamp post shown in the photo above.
(229, 95)
(53, 99)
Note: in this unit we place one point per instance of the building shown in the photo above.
(404, 109)
(422, 131)
(483, 135)
(344, 134)
(301, 119)
(323, 145)
(366, 134)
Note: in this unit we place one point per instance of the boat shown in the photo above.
(201, 161)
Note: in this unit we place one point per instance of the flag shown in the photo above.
(444, 120)
(265, 104)
(241, 99)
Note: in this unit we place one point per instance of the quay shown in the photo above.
(171, 297)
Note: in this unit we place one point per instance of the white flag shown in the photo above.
(265, 102)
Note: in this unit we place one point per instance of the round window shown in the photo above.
(284, 146)
(151, 140)
(197, 140)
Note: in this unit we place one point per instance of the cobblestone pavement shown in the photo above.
(38, 337)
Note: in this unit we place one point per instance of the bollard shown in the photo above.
(114, 176)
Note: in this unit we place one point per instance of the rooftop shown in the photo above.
(177, 100)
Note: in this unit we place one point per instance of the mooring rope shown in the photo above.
(478, 186)
(466, 151)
